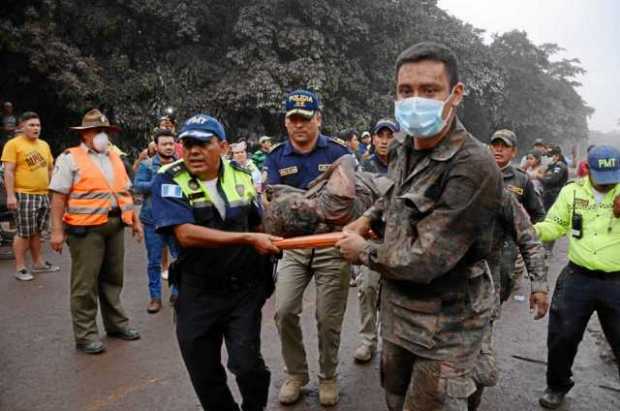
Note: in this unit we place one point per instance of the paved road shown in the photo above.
(40, 369)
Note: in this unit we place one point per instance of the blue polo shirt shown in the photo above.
(286, 166)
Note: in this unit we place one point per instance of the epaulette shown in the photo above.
(276, 147)
(173, 169)
(237, 167)
(338, 141)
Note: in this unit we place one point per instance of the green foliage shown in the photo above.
(237, 60)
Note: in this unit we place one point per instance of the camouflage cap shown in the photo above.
(505, 135)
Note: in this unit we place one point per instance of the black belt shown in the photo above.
(598, 274)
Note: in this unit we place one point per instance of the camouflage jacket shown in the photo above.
(437, 295)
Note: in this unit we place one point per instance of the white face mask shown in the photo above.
(101, 142)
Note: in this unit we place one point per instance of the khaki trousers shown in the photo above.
(97, 260)
(331, 276)
(368, 295)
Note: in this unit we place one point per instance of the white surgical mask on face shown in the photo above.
(101, 141)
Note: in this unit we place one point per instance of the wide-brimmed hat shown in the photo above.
(95, 119)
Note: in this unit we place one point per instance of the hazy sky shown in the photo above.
(587, 29)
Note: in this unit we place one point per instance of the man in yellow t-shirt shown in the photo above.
(27, 167)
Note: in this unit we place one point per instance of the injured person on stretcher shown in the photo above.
(339, 195)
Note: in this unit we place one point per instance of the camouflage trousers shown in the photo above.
(485, 372)
(331, 277)
(413, 383)
(368, 296)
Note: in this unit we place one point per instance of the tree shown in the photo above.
(238, 59)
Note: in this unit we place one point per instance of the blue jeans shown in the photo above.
(155, 243)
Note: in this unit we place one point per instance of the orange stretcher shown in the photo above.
(309, 241)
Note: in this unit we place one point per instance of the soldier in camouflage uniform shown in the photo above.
(437, 296)
(504, 148)
(514, 225)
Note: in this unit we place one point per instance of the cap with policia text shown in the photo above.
(302, 102)
(604, 164)
(202, 127)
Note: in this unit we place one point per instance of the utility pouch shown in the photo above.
(175, 270)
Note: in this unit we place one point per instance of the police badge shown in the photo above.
(240, 189)
(193, 185)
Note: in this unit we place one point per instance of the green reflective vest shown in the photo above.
(597, 249)
(234, 184)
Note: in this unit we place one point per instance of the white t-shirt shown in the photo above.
(216, 198)
(598, 196)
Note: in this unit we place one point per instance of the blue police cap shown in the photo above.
(386, 123)
(202, 127)
(302, 102)
(604, 164)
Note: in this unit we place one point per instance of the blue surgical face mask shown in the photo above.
(420, 117)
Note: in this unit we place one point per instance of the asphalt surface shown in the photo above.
(40, 369)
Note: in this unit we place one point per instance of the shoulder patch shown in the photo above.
(173, 169)
(171, 191)
(276, 147)
(338, 141)
(237, 167)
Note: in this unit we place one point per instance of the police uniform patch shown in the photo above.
(240, 189)
(171, 191)
(323, 167)
(193, 184)
(514, 189)
(581, 203)
(288, 171)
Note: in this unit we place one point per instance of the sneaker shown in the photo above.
(164, 274)
(551, 399)
(328, 392)
(363, 353)
(24, 275)
(46, 268)
(291, 389)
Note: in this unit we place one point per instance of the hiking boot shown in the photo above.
(552, 399)
(328, 392)
(291, 389)
(363, 353)
(24, 275)
(154, 306)
(92, 347)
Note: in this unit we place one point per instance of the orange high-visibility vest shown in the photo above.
(91, 196)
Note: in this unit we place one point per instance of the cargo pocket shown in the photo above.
(417, 321)
(457, 390)
(480, 288)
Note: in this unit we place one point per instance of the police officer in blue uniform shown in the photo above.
(304, 155)
(222, 272)
(296, 162)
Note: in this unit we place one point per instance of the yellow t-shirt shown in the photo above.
(32, 159)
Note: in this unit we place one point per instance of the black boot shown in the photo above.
(552, 399)
(474, 400)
